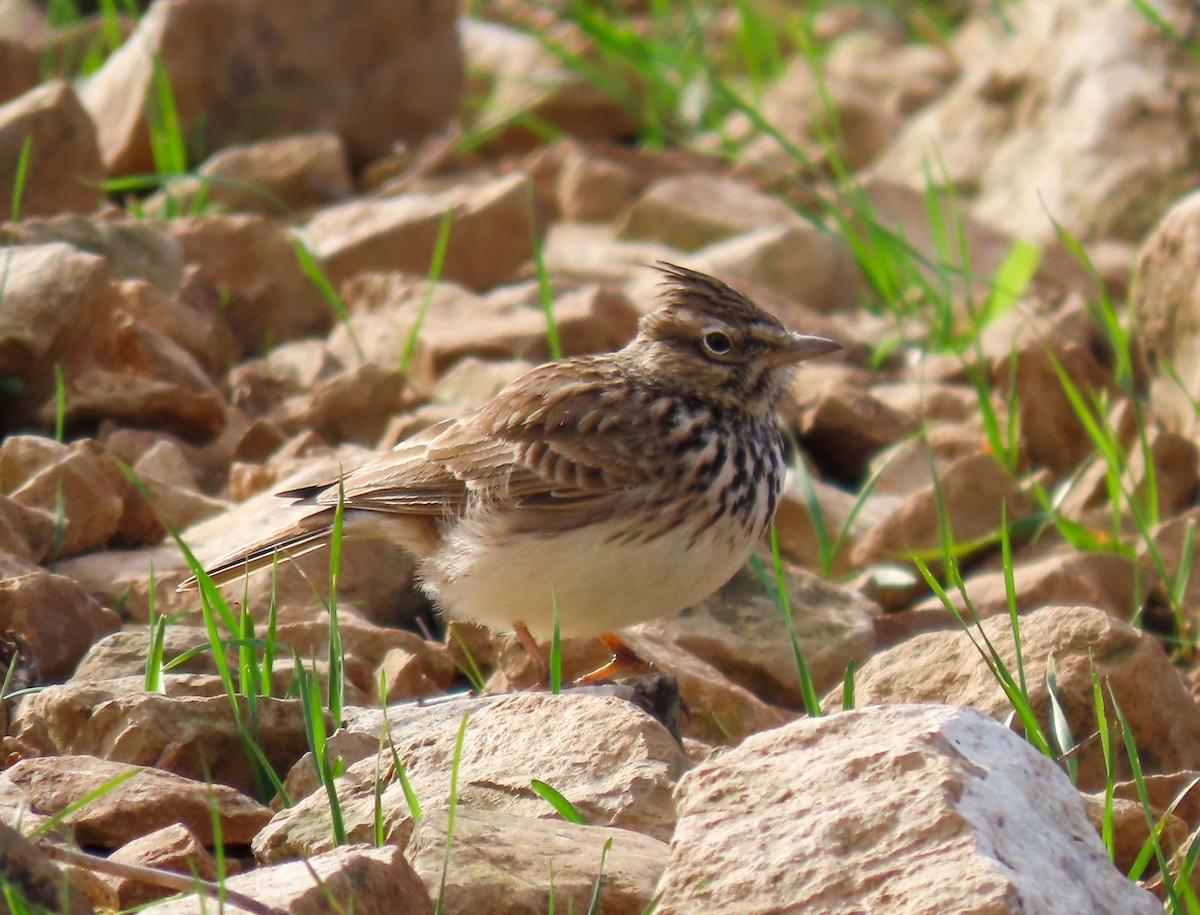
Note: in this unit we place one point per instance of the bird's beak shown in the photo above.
(798, 347)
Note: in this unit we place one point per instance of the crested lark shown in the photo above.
(616, 488)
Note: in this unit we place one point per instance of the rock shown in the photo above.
(54, 616)
(19, 65)
(175, 502)
(1166, 305)
(946, 667)
(375, 577)
(718, 710)
(279, 175)
(34, 879)
(1004, 129)
(595, 181)
(85, 489)
(48, 291)
(150, 800)
(25, 533)
(123, 654)
(521, 81)
(690, 211)
(1129, 827)
(973, 490)
(867, 85)
(906, 467)
(799, 262)
(497, 856)
(1058, 576)
(1051, 432)
(134, 249)
(472, 382)
(980, 248)
(249, 71)
(593, 188)
(1169, 540)
(843, 426)
(122, 578)
(458, 325)
(266, 297)
(369, 881)
(402, 676)
(583, 253)
(136, 375)
(354, 405)
(1175, 460)
(64, 167)
(908, 809)
(797, 527)
(740, 631)
(193, 736)
(491, 233)
(173, 848)
(615, 763)
(370, 643)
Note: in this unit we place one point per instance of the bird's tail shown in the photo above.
(308, 534)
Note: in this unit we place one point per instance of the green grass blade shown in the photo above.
(545, 292)
(337, 654)
(19, 180)
(97, 792)
(594, 905)
(469, 668)
(555, 650)
(554, 798)
(450, 813)
(316, 276)
(778, 589)
(1060, 727)
(436, 263)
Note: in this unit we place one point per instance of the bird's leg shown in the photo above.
(624, 661)
(525, 637)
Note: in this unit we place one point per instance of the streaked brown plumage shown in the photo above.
(617, 487)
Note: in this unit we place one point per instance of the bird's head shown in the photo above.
(708, 337)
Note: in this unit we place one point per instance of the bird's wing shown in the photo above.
(543, 442)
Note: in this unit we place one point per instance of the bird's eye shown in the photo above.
(717, 342)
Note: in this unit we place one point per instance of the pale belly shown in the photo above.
(598, 584)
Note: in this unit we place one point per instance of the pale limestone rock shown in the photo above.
(150, 800)
(947, 667)
(615, 763)
(53, 614)
(798, 262)
(491, 233)
(39, 881)
(741, 632)
(281, 174)
(172, 848)
(505, 863)
(64, 167)
(1063, 81)
(1166, 304)
(194, 736)
(973, 491)
(362, 879)
(254, 70)
(266, 297)
(690, 211)
(901, 809)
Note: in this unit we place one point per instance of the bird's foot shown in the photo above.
(625, 662)
(525, 637)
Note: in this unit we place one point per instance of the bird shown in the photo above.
(595, 491)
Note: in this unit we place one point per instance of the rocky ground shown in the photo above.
(250, 243)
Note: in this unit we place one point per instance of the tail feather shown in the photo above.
(308, 534)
